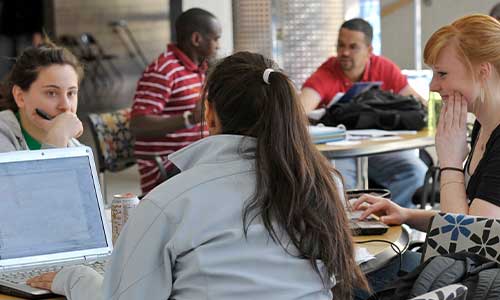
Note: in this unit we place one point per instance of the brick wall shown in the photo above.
(148, 21)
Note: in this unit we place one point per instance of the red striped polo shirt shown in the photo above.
(168, 87)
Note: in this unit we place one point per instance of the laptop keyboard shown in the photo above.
(20, 277)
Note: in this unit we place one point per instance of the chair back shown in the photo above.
(449, 292)
(71, 42)
(452, 233)
(113, 139)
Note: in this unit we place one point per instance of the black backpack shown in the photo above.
(480, 275)
(375, 108)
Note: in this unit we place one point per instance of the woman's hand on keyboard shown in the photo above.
(43, 281)
(389, 212)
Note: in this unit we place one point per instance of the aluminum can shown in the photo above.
(121, 207)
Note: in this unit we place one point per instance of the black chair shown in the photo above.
(428, 193)
(108, 79)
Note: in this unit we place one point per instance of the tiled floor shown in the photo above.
(116, 183)
(122, 182)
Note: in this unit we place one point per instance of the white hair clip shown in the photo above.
(266, 74)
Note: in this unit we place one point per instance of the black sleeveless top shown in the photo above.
(485, 182)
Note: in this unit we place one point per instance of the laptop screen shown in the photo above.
(48, 206)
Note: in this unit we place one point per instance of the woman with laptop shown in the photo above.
(254, 214)
(39, 100)
(467, 75)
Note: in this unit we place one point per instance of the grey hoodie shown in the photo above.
(11, 136)
(186, 240)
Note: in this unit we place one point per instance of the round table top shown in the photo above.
(405, 141)
(383, 252)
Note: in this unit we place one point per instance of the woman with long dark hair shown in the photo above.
(256, 212)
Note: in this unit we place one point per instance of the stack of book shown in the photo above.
(325, 134)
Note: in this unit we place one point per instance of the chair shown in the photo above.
(95, 51)
(100, 64)
(451, 233)
(115, 143)
(428, 193)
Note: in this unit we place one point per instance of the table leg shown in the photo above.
(362, 172)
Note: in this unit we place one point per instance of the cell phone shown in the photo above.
(43, 114)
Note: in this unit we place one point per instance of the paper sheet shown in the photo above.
(343, 143)
(378, 132)
(362, 255)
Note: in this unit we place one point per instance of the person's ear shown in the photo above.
(209, 115)
(196, 39)
(211, 118)
(370, 49)
(18, 94)
(485, 71)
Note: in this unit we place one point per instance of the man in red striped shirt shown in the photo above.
(166, 112)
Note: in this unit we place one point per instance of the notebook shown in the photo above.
(358, 88)
(325, 134)
(52, 215)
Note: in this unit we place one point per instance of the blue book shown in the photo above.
(358, 88)
(325, 134)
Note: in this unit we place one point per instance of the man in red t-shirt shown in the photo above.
(167, 109)
(401, 172)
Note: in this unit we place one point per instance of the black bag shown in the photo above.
(377, 109)
(480, 275)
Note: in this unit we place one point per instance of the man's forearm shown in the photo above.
(156, 126)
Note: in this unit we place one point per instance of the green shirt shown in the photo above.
(32, 143)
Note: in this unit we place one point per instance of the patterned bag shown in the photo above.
(450, 233)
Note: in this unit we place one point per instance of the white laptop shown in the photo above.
(51, 215)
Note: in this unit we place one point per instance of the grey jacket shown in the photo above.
(185, 241)
(11, 136)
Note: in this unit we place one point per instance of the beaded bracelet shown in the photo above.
(450, 169)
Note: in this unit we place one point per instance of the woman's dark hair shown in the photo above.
(27, 67)
(295, 187)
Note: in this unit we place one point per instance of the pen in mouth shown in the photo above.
(43, 114)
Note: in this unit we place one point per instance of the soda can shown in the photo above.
(121, 207)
